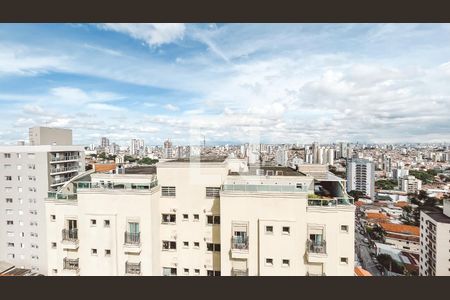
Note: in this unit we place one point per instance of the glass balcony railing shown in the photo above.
(330, 202)
(133, 268)
(70, 235)
(64, 158)
(319, 247)
(59, 196)
(116, 185)
(263, 188)
(64, 169)
(239, 242)
(71, 264)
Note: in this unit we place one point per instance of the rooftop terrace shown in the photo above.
(258, 170)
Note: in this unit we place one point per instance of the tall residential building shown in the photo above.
(399, 173)
(435, 241)
(315, 152)
(168, 149)
(204, 216)
(28, 173)
(281, 157)
(104, 142)
(361, 176)
(342, 150)
(410, 184)
(137, 147)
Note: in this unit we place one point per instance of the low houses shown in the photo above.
(403, 237)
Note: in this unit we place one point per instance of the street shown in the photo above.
(364, 252)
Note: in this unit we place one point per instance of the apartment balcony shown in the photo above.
(239, 272)
(132, 242)
(59, 159)
(239, 247)
(316, 252)
(63, 170)
(70, 239)
(137, 187)
(59, 196)
(331, 202)
(132, 268)
(71, 266)
(60, 181)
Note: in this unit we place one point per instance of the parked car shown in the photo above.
(366, 240)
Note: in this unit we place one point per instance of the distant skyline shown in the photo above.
(235, 83)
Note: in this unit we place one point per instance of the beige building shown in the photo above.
(435, 241)
(410, 184)
(50, 136)
(214, 217)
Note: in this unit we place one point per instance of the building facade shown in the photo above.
(209, 217)
(361, 176)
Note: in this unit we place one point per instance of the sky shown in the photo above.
(229, 83)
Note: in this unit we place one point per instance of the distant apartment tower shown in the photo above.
(399, 173)
(435, 241)
(168, 149)
(27, 174)
(361, 176)
(410, 184)
(281, 157)
(105, 142)
(137, 147)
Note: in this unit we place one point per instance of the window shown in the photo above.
(107, 252)
(286, 230)
(9, 222)
(10, 233)
(32, 178)
(269, 229)
(9, 211)
(196, 217)
(19, 189)
(212, 192)
(8, 189)
(32, 167)
(344, 228)
(196, 245)
(53, 218)
(169, 245)
(169, 218)
(19, 178)
(7, 155)
(93, 222)
(269, 262)
(299, 186)
(11, 255)
(31, 155)
(212, 273)
(7, 166)
(185, 244)
(169, 271)
(344, 260)
(8, 178)
(53, 245)
(10, 244)
(9, 200)
(213, 220)
(197, 271)
(93, 251)
(168, 191)
(285, 263)
(213, 247)
(185, 271)
(185, 217)
(106, 223)
(19, 167)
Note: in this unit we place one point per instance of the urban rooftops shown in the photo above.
(202, 159)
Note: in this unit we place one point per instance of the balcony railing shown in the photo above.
(70, 235)
(117, 185)
(132, 238)
(263, 188)
(71, 264)
(65, 169)
(315, 274)
(133, 268)
(239, 272)
(59, 196)
(316, 247)
(63, 180)
(64, 158)
(239, 243)
(330, 202)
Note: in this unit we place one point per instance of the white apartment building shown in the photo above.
(435, 241)
(361, 176)
(410, 184)
(27, 173)
(214, 217)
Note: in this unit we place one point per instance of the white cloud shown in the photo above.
(153, 34)
(103, 106)
(171, 107)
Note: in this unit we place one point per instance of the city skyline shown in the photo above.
(231, 83)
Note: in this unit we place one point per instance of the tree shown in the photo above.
(390, 264)
(386, 184)
(102, 155)
(129, 158)
(148, 161)
(356, 194)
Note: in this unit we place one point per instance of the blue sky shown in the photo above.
(272, 83)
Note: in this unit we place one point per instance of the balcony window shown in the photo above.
(169, 245)
(132, 236)
(169, 271)
(212, 220)
(71, 264)
(168, 191)
(169, 218)
(133, 268)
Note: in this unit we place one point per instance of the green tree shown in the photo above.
(356, 194)
(148, 161)
(390, 264)
(386, 184)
